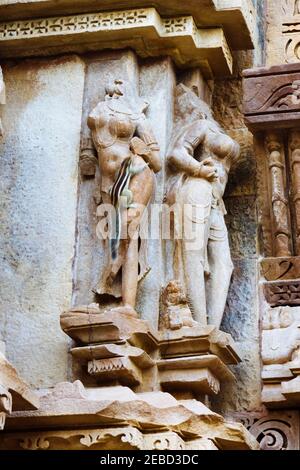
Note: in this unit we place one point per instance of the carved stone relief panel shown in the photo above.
(274, 430)
(281, 357)
(291, 30)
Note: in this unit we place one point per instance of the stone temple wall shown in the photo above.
(51, 256)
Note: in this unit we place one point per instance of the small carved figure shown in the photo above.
(176, 312)
(128, 156)
(200, 157)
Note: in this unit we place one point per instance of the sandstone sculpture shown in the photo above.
(120, 130)
(201, 155)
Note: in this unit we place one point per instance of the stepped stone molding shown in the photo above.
(116, 418)
(234, 16)
(142, 29)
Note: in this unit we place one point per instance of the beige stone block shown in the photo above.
(39, 161)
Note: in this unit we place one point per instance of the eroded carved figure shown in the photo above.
(128, 157)
(200, 156)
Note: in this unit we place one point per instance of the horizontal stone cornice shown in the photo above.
(234, 16)
(143, 30)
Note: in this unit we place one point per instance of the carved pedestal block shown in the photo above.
(195, 360)
(114, 347)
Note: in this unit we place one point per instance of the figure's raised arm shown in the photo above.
(181, 155)
(145, 144)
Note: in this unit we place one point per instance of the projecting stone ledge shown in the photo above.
(15, 394)
(114, 347)
(236, 17)
(117, 418)
(143, 30)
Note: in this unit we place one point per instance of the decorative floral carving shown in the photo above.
(273, 430)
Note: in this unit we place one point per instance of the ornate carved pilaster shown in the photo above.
(281, 230)
(294, 149)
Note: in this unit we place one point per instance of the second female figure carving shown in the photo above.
(200, 156)
(128, 157)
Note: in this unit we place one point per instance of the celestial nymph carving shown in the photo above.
(200, 157)
(128, 156)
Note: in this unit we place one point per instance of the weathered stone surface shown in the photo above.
(146, 411)
(245, 393)
(22, 397)
(241, 314)
(242, 181)
(39, 160)
(228, 103)
(242, 226)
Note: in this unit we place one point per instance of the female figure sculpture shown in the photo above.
(200, 156)
(126, 148)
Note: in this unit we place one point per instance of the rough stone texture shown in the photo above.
(39, 160)
(241, 313)
(245, 393)
(241, 223)
(242, 322)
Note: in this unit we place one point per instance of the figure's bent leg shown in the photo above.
(195, 284)
(130, 274)
(218, 282)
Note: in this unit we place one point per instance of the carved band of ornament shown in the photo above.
(283, 293)
(105, 365)
(130, 437)
(178, 37)
(279, 269)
